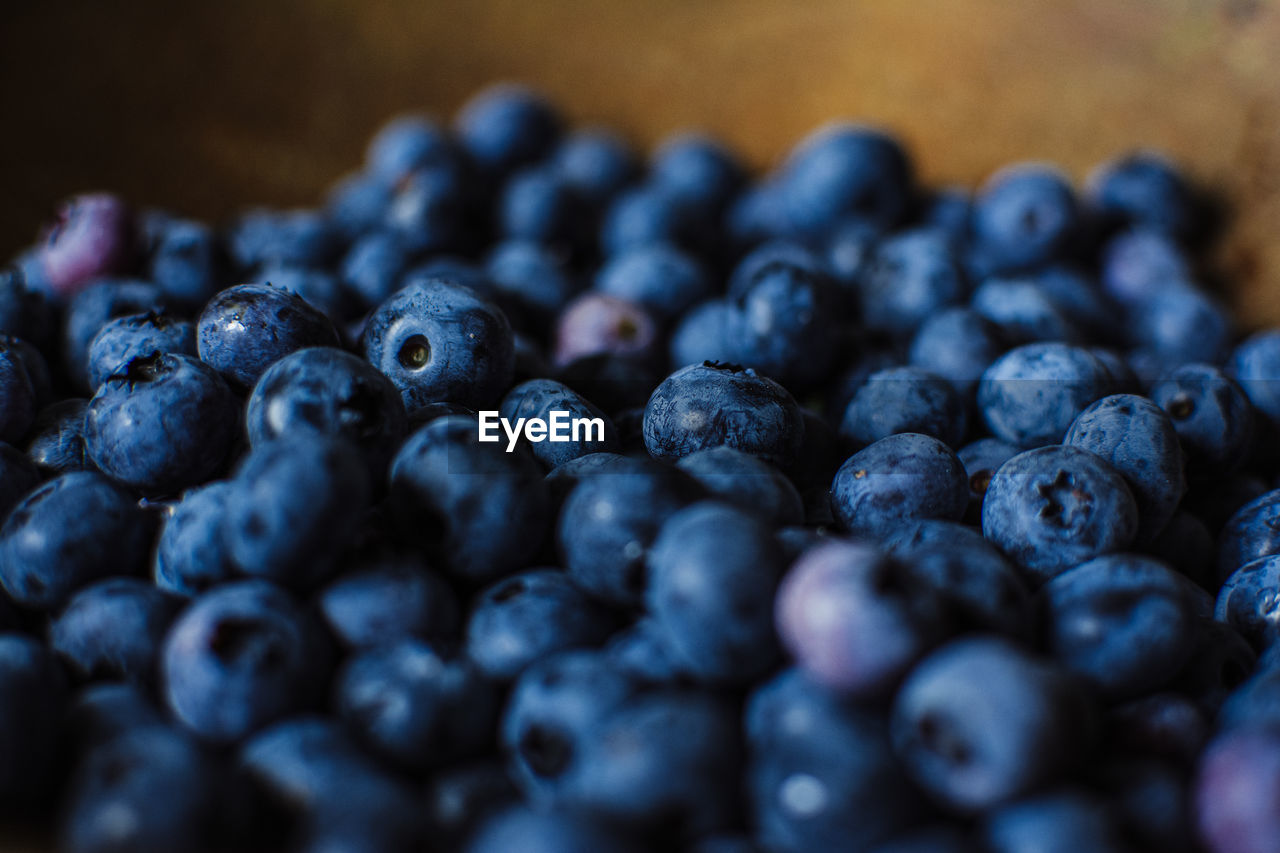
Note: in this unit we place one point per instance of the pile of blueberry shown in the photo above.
(922, 520)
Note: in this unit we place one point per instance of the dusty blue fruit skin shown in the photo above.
(1054, 507)
(1181, 324)
(713, 571)
(645, 215)
(357, 203)
(1143, 189)
(162, 423)
(296, 501)
(1031, 394)
(1250, 534)
(478, 511)
(698, 170)
(459, 798)
(1255, 364)
(1023, 312)
(538, 205)
(372, 267)
(912, 276)
(664, 279)
(184, 259)
(51, 543)
(529, 831)
(1024, 215)
(957, 344)
(981, 720)
(1249, 600)
(238, 658)
(19, 398)
(1061, 821)
(712, 404)
(469, 353)
(24, 312)
(642, 652)
(33, 698)
(844, 171)
(327, 391)
(529, 616)
(1236, 786)
(610, 520)
(538, 398)
(981, 458)
(193, 552)
(300, 237)
(531, 279)
(747, 482)
(18, 476)
(91, 308)
(414, 708)
(152, 789)
(113, 629)
(405, 143)
(901, 400)
(821, 774)
(245, 329)
(126, 338)
(905, 476)
(100, 712)
(1138, 439)
(701, 335)
(596, 162)
(1212, 416)
(507, 126)
(433, 209)
(387, 597)
(1123, 622)
(318, 288)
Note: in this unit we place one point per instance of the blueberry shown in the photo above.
(1180, 325)
(596, 323)
(746, 481)
(1054, 507)
(1123, 622)
(981, 459)
(1023, 312)
(982, 721)
(1167, 726)
(1031, 394)
(1255, 364)
(663, 279)
(523, 830)
(193, 552)
(386, 598)
(1140, 442)
(507, 126)
(325, 391)
(1060, 821)
(19, 397)
(1212, 416)
(357, 203)
(461, 797)
(912, 276)
(125, 338)
(405, 143)
(25, 312)
(241, 656)
(644, 653)
(711, 404)
(1250, 534)
(526, 617)
(701, 335)
(295, 501)
(1144, 188)
(646, 215)
(373, 266)
(854, 618)
(905, 400)
(696, 170)
(33, 699)
(18, 476)
(1221, 659)
(596, 163)
(162, 423)
(436, 341)
(850, 249)
(433, 210)
(184, 260)
(52, 543)
(92, 236)
(101, 712)
(113, 629)
(245, 329)
(1137, 264)
(318, 288)
(1254, 703)
(1249, 600)
(1024, 215)
(1187, 546)
(904, 476)
(1236, 788)
(540, 399)
(413, 707)
(957, 344)
(537, 204)
(534, 279)
(617, 384)
(264, 237)
(478, 511)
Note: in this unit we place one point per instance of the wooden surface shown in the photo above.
(204, 107)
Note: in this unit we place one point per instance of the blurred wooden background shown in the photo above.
(204, 107)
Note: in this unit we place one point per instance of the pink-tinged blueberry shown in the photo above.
(92, 236)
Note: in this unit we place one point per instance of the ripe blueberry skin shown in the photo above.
(537, 204)
(1024, 215)
(19, 395)
(610, 520)
(663, 279)
(697, 170)
(701, 335)
(747, 482)
(101, 712)
(357, 203)
(385, 598)
(433, 209)
(1031, 394)
(238, 658)
(162, 423)
(1123, 622)
(477, 511)
(1254, 703)
(901, 477)
(1023, 311)
(92, 236)
(1236, 788)
(507, 126)
(441, 341)
(1250, 534)
(318, 288)
(1249, 600)
(1054, 507)
(184, 259)
(459, 798)
(193, 552)
(645, 215)
(981, 459)
(844, 171)
(528, 831)
(327, 391)
(153, 789)
(532, 283)
(1255, 364)
(125, 338)
(412, 707)
(596, 162)
(711, 404)
(25, 312)
(51, 543)
(1144, 189)
(855, 619)
(713, 570)
(957, 344)
(527, 617)
(371, 269)
(245, 329)
(821, 774)
(1181, 324)
(1165, 726)
(1212, 416)
(643, 652)
(1220, 661)
(113, 629)
(905, 400)
(33, 696)
(18, 477)
(1061, 821)
(1140, 442)
(295, 502)
(599, 324)
(981, 721)
(911, 277)
(405, 143)
(537, 399)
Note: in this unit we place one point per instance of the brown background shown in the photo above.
(207, 106)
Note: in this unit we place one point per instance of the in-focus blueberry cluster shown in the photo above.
(924, 519)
